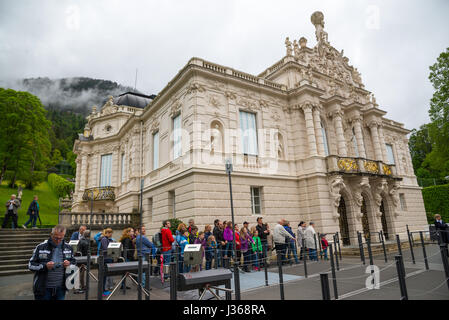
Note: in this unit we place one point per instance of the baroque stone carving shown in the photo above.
(288, 44)
(336, 184)
(195, 87)
(395, 197)
(361, 186)
(379, 188)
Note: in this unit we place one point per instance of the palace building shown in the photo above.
(306, 139)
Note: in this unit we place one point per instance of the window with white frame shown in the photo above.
(249, 133)
(122, 167)
(390, 154)
(156, 150)
(177, 135)
(256, 200)
(106, 170)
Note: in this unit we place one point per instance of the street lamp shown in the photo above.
(236, 262)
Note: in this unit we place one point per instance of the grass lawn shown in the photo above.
(48, 204)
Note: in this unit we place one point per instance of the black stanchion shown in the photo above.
(226, 263)
(304, 256)
(173, 288)
(334, 275)
(237, 280)
(443, 250)
(401, 277)
(147, 276)
(228, 295)
(339, 247)
(325, 286)
(139, 278)
(265, 263)
(86, 297)
(398, 241)
(100, 276)
(336, 253)
(362, 253)
(411, 245)
(370, 252)
(424, 250)
(381, 236)
(281, 276)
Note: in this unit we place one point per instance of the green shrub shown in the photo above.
(436, 200)
(174, 224)
(60, 186)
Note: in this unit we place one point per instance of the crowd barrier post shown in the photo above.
(281, 276)
(304, 256)
(362, 253)
(424, 250)
(334, 275)
(325, 286)
(401, 277)
(411, 245)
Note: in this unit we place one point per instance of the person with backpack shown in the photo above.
(104, 243)
(33, 212)
(157, 242)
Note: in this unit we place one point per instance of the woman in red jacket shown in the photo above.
(324, 245)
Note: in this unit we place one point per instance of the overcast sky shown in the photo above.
(392, 43)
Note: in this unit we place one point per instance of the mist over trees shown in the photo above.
(41, 119)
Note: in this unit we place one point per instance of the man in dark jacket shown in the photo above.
(218, 234)
(48, 262)
(263, 232)
(33, 212)
(83, 248)
(442, 229)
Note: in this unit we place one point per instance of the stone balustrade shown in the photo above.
(96, 219)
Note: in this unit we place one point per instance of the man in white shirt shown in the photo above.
(279, 235)
(11, 211)
(309, 235)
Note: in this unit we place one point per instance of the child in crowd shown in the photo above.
(200, 240)
(257, 250)
(245, 241)
(324, 245)
(210, 251)
(193, 235)
(182, 242)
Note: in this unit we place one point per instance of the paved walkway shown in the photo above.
(351, 282)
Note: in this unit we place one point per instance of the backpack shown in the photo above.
(157, 240)
(97, 239)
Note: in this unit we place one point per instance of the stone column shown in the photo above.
(83, 173)
(341, 142)
(376, 142)
(318, 131)
(383, 146)
(307, 108)
(359, 136)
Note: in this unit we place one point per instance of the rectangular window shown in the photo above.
(255, 200)
(106, 170)
(249, 133)
(403, 204)
(122, 170)
(177, 142)
(156, 150)
(171, 205)
(390, 154)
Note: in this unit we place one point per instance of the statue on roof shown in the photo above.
(288, 44)
(317, 19)
(296, 48)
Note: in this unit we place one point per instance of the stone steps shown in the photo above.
(16, 248)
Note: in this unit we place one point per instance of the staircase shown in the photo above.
(16, 248)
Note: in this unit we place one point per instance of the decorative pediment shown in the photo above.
(175, 108)
(248, 104)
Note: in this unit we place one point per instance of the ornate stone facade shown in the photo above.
(321, 148)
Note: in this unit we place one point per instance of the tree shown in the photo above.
(439, 115)
(24, 142)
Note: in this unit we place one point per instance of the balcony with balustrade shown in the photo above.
(360, 166)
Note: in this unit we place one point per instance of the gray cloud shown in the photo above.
(392, 43)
